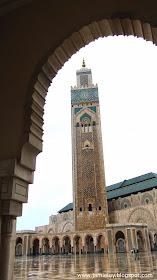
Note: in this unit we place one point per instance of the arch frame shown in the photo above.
(34, 110)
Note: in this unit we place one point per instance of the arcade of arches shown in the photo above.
(111, 240)
(33, 52)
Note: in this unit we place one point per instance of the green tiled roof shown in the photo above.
(137, 184)
(127, 187)
(66, 208)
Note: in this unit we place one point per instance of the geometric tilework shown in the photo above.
(93, 108)
(76, 110)
(83, 95)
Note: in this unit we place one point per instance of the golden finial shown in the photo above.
(83, 64)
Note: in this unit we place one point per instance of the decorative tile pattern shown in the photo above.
(84, 95)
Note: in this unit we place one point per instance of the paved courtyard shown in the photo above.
(94, 266)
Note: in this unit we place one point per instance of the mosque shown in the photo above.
(102, 219)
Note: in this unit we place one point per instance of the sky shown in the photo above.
(125, 70)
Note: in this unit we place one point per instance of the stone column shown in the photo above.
(14, 180)
(7, 248)
(95, 243)
(146, 239)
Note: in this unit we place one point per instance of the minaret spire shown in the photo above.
(83, 63)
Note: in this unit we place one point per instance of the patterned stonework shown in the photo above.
(90, 206)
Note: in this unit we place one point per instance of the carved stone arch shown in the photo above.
(18, 249)
(19, 239)
(88, 235)
(67, 227)
(146, 198)
(125, 203)
(51, 230)
(77, 243)
(66, 243)
(34, 107)
(89, 243)
(100, 233)
(83, 115)
(56, 243)
(19, 246)
(86, 144)
(66, 236)
(35, 245)
(77, 235)
(65, 217)
(56, 237)
(34, 238)
(119, 234)
(141, 213)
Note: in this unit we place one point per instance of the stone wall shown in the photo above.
(61, 222)
(137, 208)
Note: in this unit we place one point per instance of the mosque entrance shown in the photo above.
(18, 248)
(36, 247)
(89, 244)
(120, 242)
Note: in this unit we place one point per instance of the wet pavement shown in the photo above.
(93, 266)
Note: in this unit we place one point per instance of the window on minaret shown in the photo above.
(90, 128)
(90, 207)
(86, 128)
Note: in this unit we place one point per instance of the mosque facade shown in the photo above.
(103, 219)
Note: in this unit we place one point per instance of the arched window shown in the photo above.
(89, 207)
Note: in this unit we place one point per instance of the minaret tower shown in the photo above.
(89, 189)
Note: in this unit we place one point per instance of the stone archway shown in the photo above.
(77, 244)
(89, 244)
(101, 244)
(66, 244)
(140, 214)
(45, 246)
(120, 242)
(18, 247)
(36, 246)
(56, 245)
(67, 227)
(87, 34)
(24, 149)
